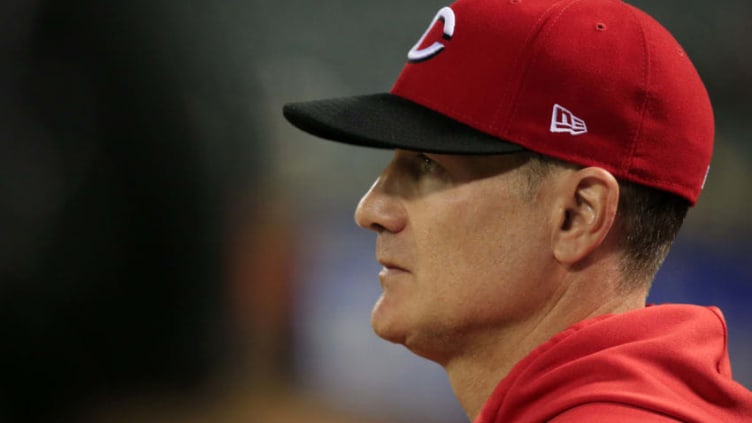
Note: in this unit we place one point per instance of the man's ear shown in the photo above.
(587, 202)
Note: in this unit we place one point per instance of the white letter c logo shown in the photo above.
(416, 54)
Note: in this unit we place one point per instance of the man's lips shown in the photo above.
(391, 265)
(390, 269)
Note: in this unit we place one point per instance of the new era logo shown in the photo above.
(562, 120)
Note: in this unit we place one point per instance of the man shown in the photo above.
(546, 153)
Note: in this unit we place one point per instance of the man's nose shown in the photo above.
(381, 209)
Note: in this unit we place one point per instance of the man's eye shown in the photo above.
(426, 166)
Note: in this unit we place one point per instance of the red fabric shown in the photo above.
(659, 364)
(610, 412)
(649, 118)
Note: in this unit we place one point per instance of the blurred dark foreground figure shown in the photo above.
(125, 139)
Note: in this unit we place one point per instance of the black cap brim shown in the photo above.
(389, 121)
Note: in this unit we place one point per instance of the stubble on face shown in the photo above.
(464, 253)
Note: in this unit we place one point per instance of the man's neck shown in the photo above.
(478, 370)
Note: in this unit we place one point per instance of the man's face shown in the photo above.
(463, 245)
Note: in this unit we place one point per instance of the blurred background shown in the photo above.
(172, 250)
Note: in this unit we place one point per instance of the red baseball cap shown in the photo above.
(592, 82)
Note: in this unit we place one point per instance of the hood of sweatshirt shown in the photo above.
(671, 360)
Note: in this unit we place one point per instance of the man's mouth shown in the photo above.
(390, 270)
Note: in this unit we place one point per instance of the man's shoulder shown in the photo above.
(659, 364)
(605, 412)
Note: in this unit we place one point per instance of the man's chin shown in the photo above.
(413, 341)
(386, 323)
(390, 335)
(389, 325)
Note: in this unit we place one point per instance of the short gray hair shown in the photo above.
(649, 218)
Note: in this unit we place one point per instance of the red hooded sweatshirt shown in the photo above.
(665, 363)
